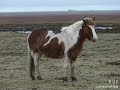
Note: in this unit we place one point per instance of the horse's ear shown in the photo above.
(93, 18)
(84, 21)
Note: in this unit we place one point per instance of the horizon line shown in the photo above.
(69, 10)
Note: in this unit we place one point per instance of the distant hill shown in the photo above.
(69, 12)
(108, 16)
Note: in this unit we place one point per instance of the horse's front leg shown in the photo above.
(65, 67)
(72, 73)
(72, 65)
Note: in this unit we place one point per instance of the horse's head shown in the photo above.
(89, 29)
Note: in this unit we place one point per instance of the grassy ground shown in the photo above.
(98, 64)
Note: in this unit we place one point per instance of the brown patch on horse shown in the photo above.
(54, 49)
(37, 39)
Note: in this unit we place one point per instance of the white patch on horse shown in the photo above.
(94, 33)
(29, 50)
(52, 35)
(71, 34)
(34, 55)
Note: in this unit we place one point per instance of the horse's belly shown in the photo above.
(54, 53)
(54, 56)
(54, 50)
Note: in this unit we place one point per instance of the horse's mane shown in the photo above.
(63, 28)
(75, 26)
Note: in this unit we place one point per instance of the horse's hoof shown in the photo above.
(65, 79)
(73, 78)
(32, 78)
(39, 78)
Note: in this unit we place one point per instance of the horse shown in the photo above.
(66, 44)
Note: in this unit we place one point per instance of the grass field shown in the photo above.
(97, 65)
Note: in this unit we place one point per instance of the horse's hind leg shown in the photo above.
(36, 57)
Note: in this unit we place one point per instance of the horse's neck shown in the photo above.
(71, 35)
(77, 47)
(81, 39)
(79, 44)
(73, 30)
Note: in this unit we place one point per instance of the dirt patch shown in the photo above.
(113, 63)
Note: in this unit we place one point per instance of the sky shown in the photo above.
(57, 5)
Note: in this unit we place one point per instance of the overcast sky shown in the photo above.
(57, 5)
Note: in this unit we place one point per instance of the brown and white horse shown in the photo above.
(66, 44)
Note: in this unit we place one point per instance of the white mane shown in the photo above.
(63, 29)
(69, 35)
(74, 27)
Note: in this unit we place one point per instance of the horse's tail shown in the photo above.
(31, 60)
